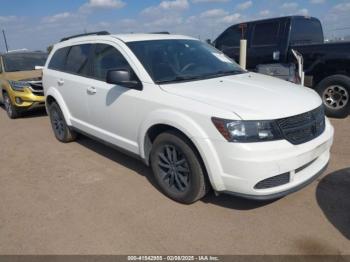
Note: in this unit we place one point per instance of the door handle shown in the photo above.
(91, 90)
(276, 55)
(60, 82)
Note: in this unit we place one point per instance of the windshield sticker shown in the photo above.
(222, 57)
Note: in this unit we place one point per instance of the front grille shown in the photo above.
(37, 88)
(302, 128)
(273, 181)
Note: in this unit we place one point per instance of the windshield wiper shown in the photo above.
(226, 73)
(15, 70)
(200, 77)
(179, 79)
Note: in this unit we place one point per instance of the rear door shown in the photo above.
(73, 83)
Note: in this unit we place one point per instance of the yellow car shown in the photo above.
(20, 82)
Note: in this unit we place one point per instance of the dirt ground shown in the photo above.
(86, 198)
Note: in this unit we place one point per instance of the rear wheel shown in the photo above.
(335, 91)
(59, 126)
(11, 110)
(177, 168)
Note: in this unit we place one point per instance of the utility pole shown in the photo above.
(7, 48)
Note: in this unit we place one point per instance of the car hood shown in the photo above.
(32, 75)
(251, 96)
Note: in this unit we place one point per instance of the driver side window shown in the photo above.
(105, 58)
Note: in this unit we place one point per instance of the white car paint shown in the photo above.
(123, 116)
(252, 96)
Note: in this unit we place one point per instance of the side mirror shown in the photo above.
(122, 77)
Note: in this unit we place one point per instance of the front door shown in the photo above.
(114, 110)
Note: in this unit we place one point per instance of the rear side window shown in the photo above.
(78, 60)
(58, 59)
(106, 57)
(305, 31)
(266, 34)
(230, 38)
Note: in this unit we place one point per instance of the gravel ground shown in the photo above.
(86, 198)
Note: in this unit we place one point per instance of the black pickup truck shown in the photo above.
(270, 42)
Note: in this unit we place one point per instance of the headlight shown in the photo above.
(18, 85)
(248, 131)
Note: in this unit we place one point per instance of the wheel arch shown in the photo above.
(330, 68)
(52, 95)
(167, 120)
(5, 87)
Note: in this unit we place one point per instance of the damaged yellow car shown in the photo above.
(21, 81)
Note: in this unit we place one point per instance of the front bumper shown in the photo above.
(27, 99)
(282, 193)
(237, 168)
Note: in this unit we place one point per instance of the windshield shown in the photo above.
(169, 61)
(23, 61)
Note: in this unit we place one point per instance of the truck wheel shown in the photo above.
(11, 110)
(177, 168)
(335, 91)
(59, 126)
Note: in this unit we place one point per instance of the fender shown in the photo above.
(192, 130)
(52, 91)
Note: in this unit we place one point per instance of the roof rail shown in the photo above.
(86, 34)
(161, 33)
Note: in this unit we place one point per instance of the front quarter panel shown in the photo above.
(197, 135)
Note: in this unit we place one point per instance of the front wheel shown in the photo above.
(177, 168)
(334, 91)
(59, 126)
(11, 110)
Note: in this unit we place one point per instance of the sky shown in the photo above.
(36, 24)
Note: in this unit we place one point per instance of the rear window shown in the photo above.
(77, 59)
(58, 59)
(266, 34)
(306, 31)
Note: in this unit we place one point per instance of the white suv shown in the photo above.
(189, 112)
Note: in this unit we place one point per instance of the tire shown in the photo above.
(335, 93)
(11, 110)
(59, 126)
(185, 182)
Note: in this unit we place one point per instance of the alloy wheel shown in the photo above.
(174, 169)
(57, 123)
(8, 106)
(335, 97)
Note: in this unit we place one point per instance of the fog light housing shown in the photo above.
(19, 100)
